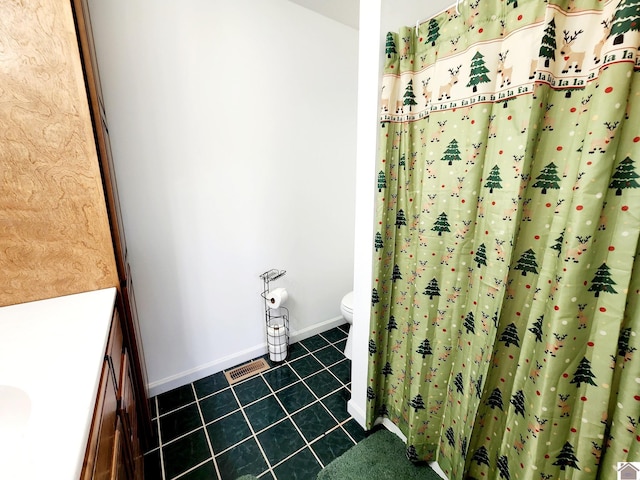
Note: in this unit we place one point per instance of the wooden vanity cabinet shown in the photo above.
(113, 450)
(62, 230)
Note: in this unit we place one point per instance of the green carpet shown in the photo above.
(381, 456)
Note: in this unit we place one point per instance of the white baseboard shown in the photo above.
(358, 415)
(218, 365)
(436, 468)
(317, 328)
(393, 428)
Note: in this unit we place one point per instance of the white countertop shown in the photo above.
(51, 356)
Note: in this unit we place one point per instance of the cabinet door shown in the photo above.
(115, 347)
(138, 365)
(132, 311)
(128, 415)
(99, 455)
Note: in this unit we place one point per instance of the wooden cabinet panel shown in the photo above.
(138, 365)
(99, 455)
(129, 417)
(119, 470)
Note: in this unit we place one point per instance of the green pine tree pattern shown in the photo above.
(510, 335)
(558, 243)
(479, 72)
(433, 290)
(441, 224)
(481, 456)
(624, 176)
(469, 323)
(401, 219)
(536, 328)
(390, 46)
(493, 180)
(378, 242)
(382, 181)
(548, 178)
(625, 20)
(548, 45)
(481, 255)
(566, 457)
(409, 96)
(495, 399)
(602, 281)
(434, 32)
(583, 374)
(527, 263)
(452, 153)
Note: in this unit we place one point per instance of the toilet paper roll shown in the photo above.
(277, 297)
(277, 342)
(277, 334)
(278, 357)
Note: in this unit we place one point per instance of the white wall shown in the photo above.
(377, 17)
(233, 132)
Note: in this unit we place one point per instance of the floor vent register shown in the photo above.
(245, 371)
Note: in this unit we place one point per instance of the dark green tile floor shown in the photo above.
(286, 423)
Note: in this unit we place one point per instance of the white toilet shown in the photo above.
(346, 308)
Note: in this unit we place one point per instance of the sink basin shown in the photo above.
(15, 411)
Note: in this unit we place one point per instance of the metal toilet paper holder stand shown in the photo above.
(277, 320)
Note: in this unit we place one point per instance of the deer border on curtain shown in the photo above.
(505, 312)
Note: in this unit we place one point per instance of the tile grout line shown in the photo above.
(174, 410)
(333, 343)
(319, 399)
(210, 394)
(253, 433)
(328, 370)
(342, 424)
(295, 425)
(206, 434)
(164, 475)
(192, 469)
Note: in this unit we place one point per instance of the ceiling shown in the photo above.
(343, 11)
(400, 11)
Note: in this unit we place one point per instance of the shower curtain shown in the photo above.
(505, 314)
